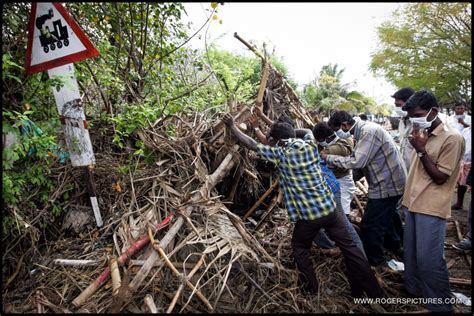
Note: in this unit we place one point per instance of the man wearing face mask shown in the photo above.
(427, 197)
(330, 143)
(380, 160)
(404, 126)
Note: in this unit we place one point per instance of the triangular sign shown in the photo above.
(54, 38)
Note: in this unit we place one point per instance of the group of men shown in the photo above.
(418, 179)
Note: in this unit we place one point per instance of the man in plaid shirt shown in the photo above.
(310, 204)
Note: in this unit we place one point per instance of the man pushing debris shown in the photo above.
(310, 204)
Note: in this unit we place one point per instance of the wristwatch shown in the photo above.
(420, 153)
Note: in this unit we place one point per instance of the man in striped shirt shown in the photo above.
(378, 157)
(310, 203)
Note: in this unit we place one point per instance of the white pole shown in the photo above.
(74, 124)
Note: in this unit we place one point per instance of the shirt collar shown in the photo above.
(358, 128)
(439, 129)
(295, 143)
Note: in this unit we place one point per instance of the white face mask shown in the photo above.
(341, 134)
(325, 144)
(422, 122)
(462, 116)
(400, 112)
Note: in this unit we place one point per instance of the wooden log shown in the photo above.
(359, 205)
(224, 168)
(362, 187)
(263, 83)
(460, 281)
(150, 304)
(115, 275)
(94, 286)
(260, 200)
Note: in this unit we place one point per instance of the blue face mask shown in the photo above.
(341, 134)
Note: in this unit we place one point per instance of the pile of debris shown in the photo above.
(200, 229)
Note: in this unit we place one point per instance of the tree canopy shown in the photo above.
(427, 45)
(327, 93)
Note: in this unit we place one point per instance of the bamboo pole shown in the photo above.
(260, 200)
(94, 286)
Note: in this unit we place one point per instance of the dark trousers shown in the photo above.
(379, 227)
(360, 275)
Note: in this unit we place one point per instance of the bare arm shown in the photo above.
(253, 120)
(259, 110)
(244, 139)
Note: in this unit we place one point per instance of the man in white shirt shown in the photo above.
(460, 120)
(464, 170)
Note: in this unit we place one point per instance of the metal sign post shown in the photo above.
(55, 41)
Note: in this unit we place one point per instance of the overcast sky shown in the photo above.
(305, 35)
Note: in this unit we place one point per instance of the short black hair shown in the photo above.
(285, 119)
(322, 130)
(459, 103)
(282, 130)
(363, 116)
(403, 94)
(423, 99)
(339, 117)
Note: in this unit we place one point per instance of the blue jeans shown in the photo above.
(426, 273)
(378, 229)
